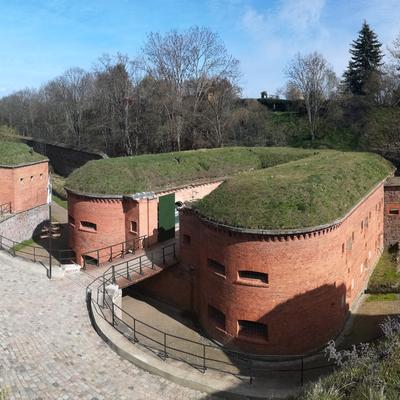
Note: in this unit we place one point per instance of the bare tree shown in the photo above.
(315, 80)
(187, 62)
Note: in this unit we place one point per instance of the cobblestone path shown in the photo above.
(48, 349)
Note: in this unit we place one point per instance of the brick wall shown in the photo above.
(392, 217)
(113, 219)
(25, 186)
(20, 227)
(314, 279)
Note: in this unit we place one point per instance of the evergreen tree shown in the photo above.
(366, 56)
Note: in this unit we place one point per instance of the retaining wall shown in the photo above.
(20, 227)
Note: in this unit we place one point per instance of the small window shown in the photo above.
(88, 225)
(342, 247)
(352, 236)
(216, 266)
(41, 176)
(366, 223)
(217, 317)
(394, 211)
(369, 215)
(253, 329)
(257, 277)
(21, 180)
(187, 240)
(362, 225)
(31, 177)
(71, 220)
(134, 226)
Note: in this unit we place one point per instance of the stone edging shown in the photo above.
(27, 164)
(173, 373)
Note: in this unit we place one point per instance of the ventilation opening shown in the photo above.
(258, 277)
(88, 226)
(253, 329)
(394, 211)
(87, 260)
(133, 226)
(217, 317)
(216, 266)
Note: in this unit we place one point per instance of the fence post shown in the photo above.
(133, 246)
(152, 260)
(165, 345)
(104, 292)
(111, 253)
(134, 331)
(251, 372)
(127, 270)
(112, 313)
(163, 255)
(140, 265)
(123, 250)
(302, 372)
(204, 358)
(113, 274)
(34, 254)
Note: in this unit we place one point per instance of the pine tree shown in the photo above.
(366, 56)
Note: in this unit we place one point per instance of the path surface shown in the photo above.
(49, 350)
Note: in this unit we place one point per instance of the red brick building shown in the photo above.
(24, 186)
(392, 211)
(280, 292)
(115, 223)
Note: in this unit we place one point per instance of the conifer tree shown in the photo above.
(366, 57)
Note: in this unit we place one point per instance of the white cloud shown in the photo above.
(253, 21)
(300, 15)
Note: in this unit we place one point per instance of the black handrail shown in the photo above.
(167, 345)
(123, 248)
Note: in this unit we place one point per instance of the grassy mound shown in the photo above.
(385, 278)
(14, 153)
(151, 172)
(297, 194)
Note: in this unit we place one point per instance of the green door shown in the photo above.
(166, 217)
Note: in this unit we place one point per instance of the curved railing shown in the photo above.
(201, 355)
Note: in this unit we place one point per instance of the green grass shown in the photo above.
(297, 194)
(385, 278)
(60, 202)
(151, 172)
(14, 153)
(382, 297)
(22, 245)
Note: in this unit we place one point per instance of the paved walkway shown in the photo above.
(49, 350)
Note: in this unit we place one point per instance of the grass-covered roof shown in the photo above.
(16, 153)
(298, 194)
(152, 172)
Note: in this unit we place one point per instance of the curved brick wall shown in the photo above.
(313, 279)
(112, 219)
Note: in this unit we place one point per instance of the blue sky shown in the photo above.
(41, 39)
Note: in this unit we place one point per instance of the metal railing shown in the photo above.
(5, 209)
(110, 252)
(201, 355)
(35, 253)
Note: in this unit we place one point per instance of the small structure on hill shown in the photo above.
(23, 178)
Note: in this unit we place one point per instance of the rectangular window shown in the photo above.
(217, 317)
(394, 211)
(216, 266)
(187, 240)
(253, 329)
(256, 277)
(90, 226)
(352, 236)
(71, 220)
(342, 247)
(133, 226)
